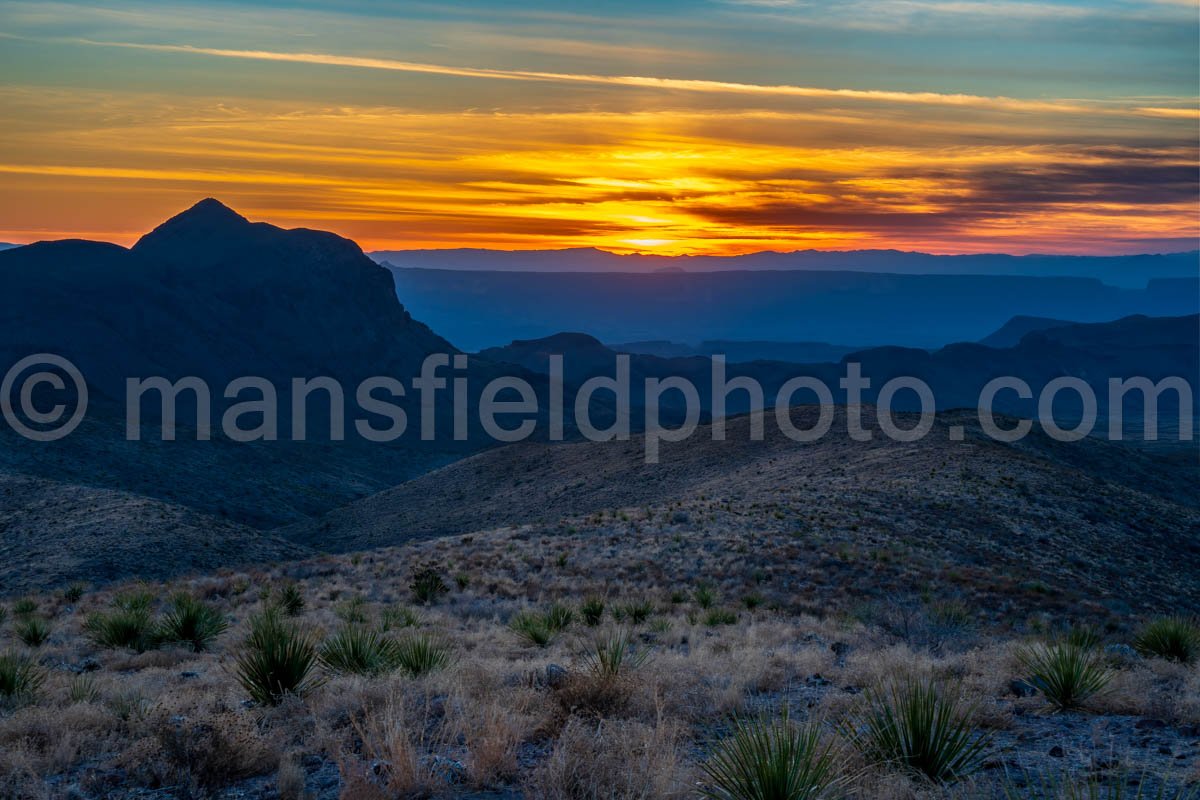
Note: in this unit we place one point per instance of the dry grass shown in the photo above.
(495, 718)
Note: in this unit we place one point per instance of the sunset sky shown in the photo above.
(724, 126)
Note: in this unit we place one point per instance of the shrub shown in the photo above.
(398, 617)
(191, 622)
(705, 596)
(1172, 638)
(360, 651)
(291, 599)
(420, 654)
(772, 760)
(427, 585)
(277, 660)
(1067, 674)
(134, 600)
(462, 580)
(129, 628)
(73, 593)
(83, 689)
(613, 654)
(917, 727)
(20, 677)
(24, 607)
(532, 628)
(720, 616)
(33, 631)
(1083, 636)
(636, 612)
(592, 611)
(559, 617)
(752, 601)
(353, 611)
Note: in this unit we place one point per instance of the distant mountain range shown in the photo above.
(1129, 271)
(212, 295)
(475, 310)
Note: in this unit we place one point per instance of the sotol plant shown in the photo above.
(278, 659)
(1065, 673)
(1172, 638)
(33, 631)
(191, 622)
(20, 677)
(361, 651)
(920, 728)
(613, 654)
(772, 760)
(420, 654)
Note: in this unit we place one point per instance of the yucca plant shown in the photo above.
(73, 593)
(353, 611)
(532, 628)
(191, 622)
(427, 586)
(559, 617)
(420, 654)
(1065, 673)
(637, 611)
(398, 617)
(278, 660)
(592, 611)
(1120, 786)
(361, 651)
(773, 760)
(1172, 638)
(130, 628)
(613, 654)
(24, 607)
(291, 599)
(33, 631)
(720, 616)
(705, 596)
(20, 677)
(920, 728)
(134, 600)
(83, 689)
(1083, 636)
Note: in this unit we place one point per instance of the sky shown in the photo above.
(709, 126)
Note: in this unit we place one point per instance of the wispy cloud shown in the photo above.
(641, 81)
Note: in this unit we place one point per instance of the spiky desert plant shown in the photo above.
(427, 585)
(130, 628)
(291, 599)
(134, 600)
(1066, 674)
(33, 631)
(83, 689)
(278, 659)
(720, 616)
(705, 596)
(191, 622)
(636, 611)
(24, 607)
(20, 677)
(398, 617)
(420, 654)
(361, 651)
(612, 654)
(559, 617)
(532, 628)
(74, 592)
(919, 727)
(592, 611)
(1084, 636)
(1172, 638)
(769, 759)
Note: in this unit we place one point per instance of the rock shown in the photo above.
(450, 770)
(840, 649)
(189, 675)
(1020, 688)
(1121, 653)
(1189, 731)
(1150, 724)
(817, 679)
(1056, 752)
(556, 676)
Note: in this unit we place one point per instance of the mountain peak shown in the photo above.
(209, 223)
